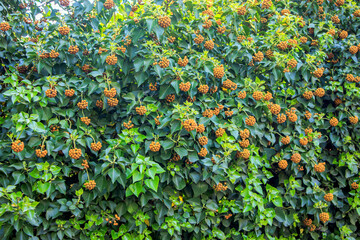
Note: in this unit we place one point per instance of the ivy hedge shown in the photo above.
(179, 119)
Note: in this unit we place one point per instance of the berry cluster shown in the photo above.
(281, 118)
(85, 120)
(324, 217)
(320, 92)
(5, 26)
(198, 39)
(170, 98)
(185, 86)
(85, 164)
(245, 154)
(108, 4)
(17, 146)
(171, 39)
(304, 141)
(292, 115)
(282, 45)
(244, 134)
(257, 95)
(73, 49)
(164, 21)
(228, 113)
(190, 125)
(258, 57)
(110, 93)
(64, 30)
(208, 113)
(318, 72)
(219, 71)
(112, 102)
(343, 34)
(308, 95)
(22, 69)
(250, 121)
(41, 153)
(64, 3)
(242, 94)
(207, 24)
(285, 140)
(155, 146)
(164, 62)
(209, 45)
(203, 140)
(200, 128)
(328, 197)
(244, 143)
(353, 50)
(99, 104)
(203, 152)
(128, 125)
(152, 87)
(111, 59)
(183, 62)
(114, 220)
(241, 10)
(82, 104)
(334, 122)
(283, 164)
(96, 146)
(175, 157)
(54, 54)
(320, 167)
(266, 4)
(275, 109)
(353, 119)
(220, 187)
(157, 120)
(203, 89)
(228, 84)
(221, 29)
(75, 153)
(296, 158)
(51, 92)
(141, 110)
(69, 92)
(90, 185)
(219, 132)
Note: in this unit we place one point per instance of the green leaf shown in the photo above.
(129, 96)
(280, 215)
(137, 188)
(153, 183)
(199, 188)
(43, 187)
(150, 172)
(179, 182)
(114, 174)
(18, 177)
(135, 147)
(164, 91)
(99, 72)
(137, 176)
(37, 127)
(181, 151)
(277, 201)
(158, 31)
(167, 144)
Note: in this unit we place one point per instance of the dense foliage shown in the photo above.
(179, 120)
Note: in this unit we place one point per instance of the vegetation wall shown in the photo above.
(179, 119)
